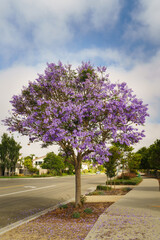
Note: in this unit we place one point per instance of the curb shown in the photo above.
(30, 218)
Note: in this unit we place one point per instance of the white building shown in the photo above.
(37, 163)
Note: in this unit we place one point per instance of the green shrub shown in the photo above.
(132, 181)
(62, 206)
(42, 175)
(101, 187)
(127, 176)
(64, 174)
(88, 210)
(76, 215)
(85, 171)
(126, 189)
(96, 193)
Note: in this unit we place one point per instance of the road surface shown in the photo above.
(20, 198)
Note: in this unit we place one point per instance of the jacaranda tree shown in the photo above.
(80, 110)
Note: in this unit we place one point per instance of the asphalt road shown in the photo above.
(20, 198)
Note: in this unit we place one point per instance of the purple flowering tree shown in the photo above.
(80, 110)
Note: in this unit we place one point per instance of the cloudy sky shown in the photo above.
(123, 35)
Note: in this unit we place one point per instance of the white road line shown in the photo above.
(7, 194)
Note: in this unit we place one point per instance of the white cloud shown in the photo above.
(143, 78)
(38, 24)
(108, 56)
(146, 21)
(152, 133)
(12, 81)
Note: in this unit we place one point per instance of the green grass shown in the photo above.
(35, 176)
(15, 176)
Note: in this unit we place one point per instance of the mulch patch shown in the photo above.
(59, 224)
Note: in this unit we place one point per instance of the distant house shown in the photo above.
(37, 163)
(19, 169)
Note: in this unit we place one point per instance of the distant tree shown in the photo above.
(110, 166)
(154, 155)
(144, 164)
(28, 163)
(134, 161)
(68, 164)
(125, 152)
(9, 153)
(53, 162)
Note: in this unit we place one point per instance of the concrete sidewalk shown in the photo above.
(135, 216)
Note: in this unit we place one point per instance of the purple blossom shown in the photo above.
(39, 102)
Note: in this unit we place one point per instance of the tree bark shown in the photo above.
(78, 185)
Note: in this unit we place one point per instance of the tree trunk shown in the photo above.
(3, 171)
(78, 185)
(107, 182)
(159, 183)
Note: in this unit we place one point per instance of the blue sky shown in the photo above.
(123, 35)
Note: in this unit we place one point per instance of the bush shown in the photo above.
(76, 215)
(64, 174)
(42, 175)
(132, 181)
(126, 189)
(127, 176)
(63, 206)
(88, 210)
(101, 187)
(53, 172)
(97, 193)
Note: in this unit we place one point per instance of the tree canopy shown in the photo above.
(154, 155)
(144, 164)
(28, 163)
(80, 110)
(53, 162)
(150, 157)
(9, 153)
(111, 165)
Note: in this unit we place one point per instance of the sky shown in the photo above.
(123, 35)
